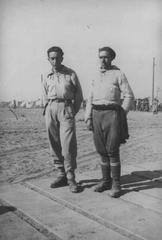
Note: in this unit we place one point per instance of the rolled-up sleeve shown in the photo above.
(78, 96)
(126, 92)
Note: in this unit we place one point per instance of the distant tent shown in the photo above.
(23, 104)
(29, 104)
(38, 103)
(13, 104)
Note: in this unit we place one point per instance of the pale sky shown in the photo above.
(29, 27)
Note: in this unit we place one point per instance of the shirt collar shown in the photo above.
(103, 70)
(58, 70)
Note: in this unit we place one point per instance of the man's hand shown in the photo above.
(89, 124)
(44, 110)
(126, 112)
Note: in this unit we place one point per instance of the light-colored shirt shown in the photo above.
(107, 89)
(63, 84)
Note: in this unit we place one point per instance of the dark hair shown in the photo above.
(55, 49)
(110, 50)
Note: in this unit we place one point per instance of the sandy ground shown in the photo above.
(24, 154)
(24, 150)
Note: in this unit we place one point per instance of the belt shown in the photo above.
(58, 100)
(106, 107)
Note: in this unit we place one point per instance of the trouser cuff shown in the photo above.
(58, 163)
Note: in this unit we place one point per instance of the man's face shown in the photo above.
(55, 59)
(105, 59)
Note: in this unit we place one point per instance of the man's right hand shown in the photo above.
(44, 110)
(89, 124)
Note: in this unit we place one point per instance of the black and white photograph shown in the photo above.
(81, 120)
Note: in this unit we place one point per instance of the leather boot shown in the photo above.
(116, 188)
(61, 179)
(71, 182)
(105, 183)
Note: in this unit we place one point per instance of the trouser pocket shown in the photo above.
(69, 111)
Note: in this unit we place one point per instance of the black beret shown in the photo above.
(55, 49)
(110, 50)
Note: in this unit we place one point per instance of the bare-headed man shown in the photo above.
(62, 99)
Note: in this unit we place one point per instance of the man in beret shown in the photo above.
(62, 96)
(106, 115)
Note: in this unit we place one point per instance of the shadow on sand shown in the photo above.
(141, 180)
(135, 181)
(5, 209)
